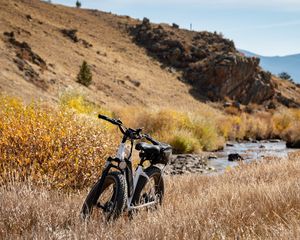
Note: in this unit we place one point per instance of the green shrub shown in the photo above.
(207, 134)
(184, 142)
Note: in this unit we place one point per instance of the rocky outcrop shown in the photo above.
(209, 62)
(72, 35)
(24, 51)
(23, 59)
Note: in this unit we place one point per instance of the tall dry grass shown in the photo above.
(188, 132)
(256, 201)
(205, 129)
(200, 130)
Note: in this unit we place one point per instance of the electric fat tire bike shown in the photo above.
(120, 187)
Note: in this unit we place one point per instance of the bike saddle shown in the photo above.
(148, 148)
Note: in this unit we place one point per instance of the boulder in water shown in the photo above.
(235, 157)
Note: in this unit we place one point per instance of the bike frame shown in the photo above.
(131, 176)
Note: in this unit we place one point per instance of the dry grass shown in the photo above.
(287, 124)
(207, 129)
(45, 152)
(256, 201)
(186, 131)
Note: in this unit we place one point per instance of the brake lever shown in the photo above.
(139, 130)
(119, 121)
(136, 134)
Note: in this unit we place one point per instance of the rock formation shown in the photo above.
(209, 62)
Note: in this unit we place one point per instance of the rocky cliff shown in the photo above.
(209, 62)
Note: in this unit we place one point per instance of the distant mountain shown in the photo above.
(276, 64)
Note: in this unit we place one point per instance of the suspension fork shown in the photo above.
(104, 174)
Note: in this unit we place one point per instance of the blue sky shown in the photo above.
(270, 27)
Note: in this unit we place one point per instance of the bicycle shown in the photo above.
(124, 189)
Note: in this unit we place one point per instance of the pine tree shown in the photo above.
(78, 4)
(284, 75)
(84, 76)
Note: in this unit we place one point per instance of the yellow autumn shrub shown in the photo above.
(51, 146)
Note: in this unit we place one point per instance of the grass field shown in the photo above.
(255, 201)
(49, 158)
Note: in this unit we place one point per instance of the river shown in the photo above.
(249, 151)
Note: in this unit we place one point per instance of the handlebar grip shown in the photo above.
(113, 121)
(102, 117)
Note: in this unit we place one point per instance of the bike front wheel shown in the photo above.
(108, 203)
(150, 190)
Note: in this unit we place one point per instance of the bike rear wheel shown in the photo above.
(108, 203)
(150, 191)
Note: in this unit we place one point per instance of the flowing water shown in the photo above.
(249, 151)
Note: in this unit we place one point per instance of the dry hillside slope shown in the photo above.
(38, 60)
(43, 45)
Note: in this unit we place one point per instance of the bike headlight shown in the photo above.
(122, 165)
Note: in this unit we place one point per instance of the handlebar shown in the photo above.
(133, 134)
(150, 139)
(111, 120)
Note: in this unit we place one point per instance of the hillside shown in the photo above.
(277, 64)
(43, 45)
(123, 73)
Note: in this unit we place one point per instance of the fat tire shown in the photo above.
(152, 172)
(120, 198)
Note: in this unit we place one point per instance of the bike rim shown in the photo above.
(149, 192)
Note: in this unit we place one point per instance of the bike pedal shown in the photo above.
(98, 205)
